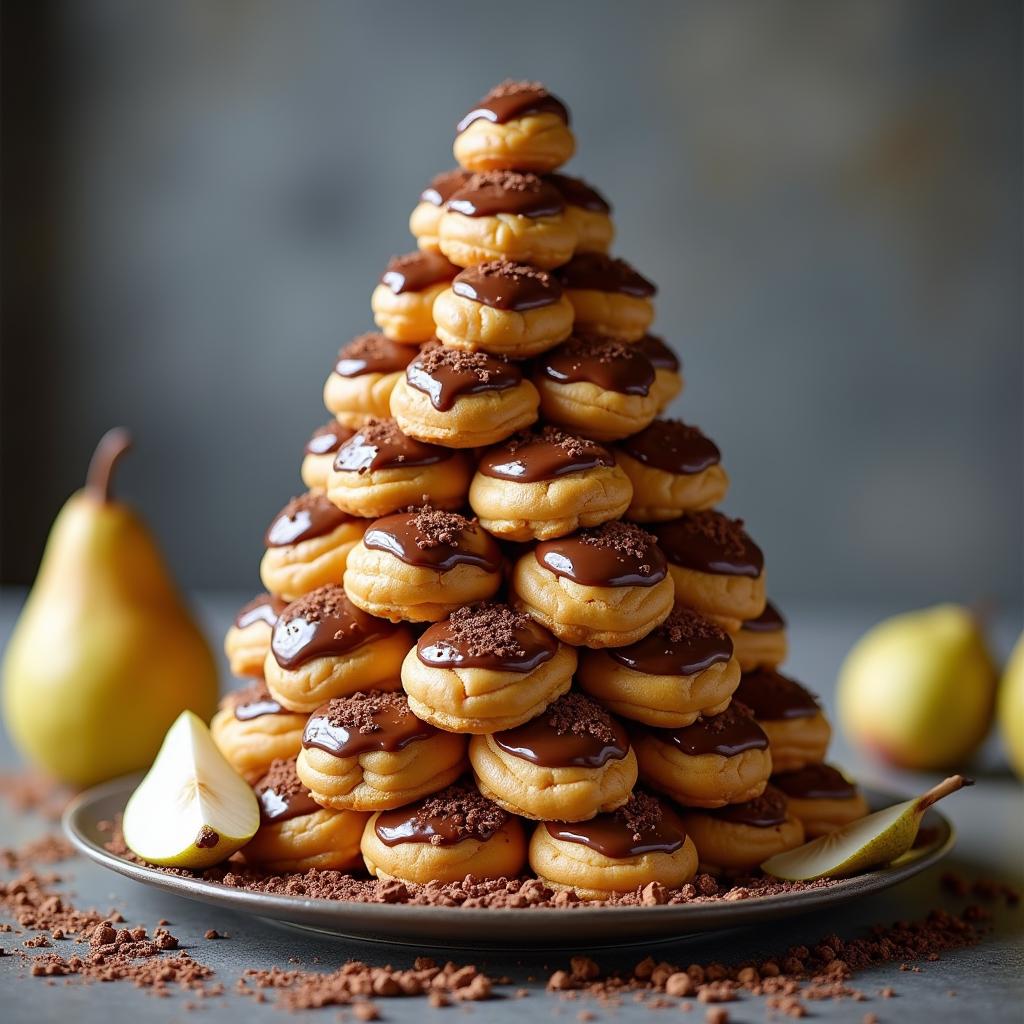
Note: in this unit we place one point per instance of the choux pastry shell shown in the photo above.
(367, 369)
(403, 301)
(608, 296)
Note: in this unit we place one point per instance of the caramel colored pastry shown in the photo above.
(721, 759)
(603, 587)
(320, 451)
(462, 399)
(369, 752)
(517, 124)
(421, 565)
(588, 211)
(403, 301)
(295, 832)
(426, 215)
(789, 714)
(822, 798)
(668, 370)
(741, 837)
(674, 469)
(597, 387)
(307, 546)
(546, 483)
(248, 640)
(324, 646)
(506, 215)
(570, 763)
(251, 730)
(718, 570)
(359, 387)
(380, 470)
(684, 668)
(761, 642)
(644, 841)
(608, 295)
(485, 668)
(507, 309)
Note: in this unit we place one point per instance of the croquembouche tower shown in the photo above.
(506, 629)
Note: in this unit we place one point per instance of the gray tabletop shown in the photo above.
(988, 979)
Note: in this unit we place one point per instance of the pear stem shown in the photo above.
(944, 788)
(113, 444)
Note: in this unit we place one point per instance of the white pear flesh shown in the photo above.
(192, 810)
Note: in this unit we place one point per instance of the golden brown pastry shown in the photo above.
(822, 798)
(644, 841)
(668, 370)
(761, 642)
(367, 369)
(321, 448)
(589, 212)
(248, 640)
(426, 216)
(603, 587)
(421, 565)
(485, 668)
(684, 668)
(546, 483)
(403, 301)
(324, 646)
(674, 469)
(608, 295)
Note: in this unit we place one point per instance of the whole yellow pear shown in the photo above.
(918, 689)
(105, 654)
(1011, 707)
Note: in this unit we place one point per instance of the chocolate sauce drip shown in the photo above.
(282, 796)
(815, 782)
(373, 353)
(444, 375)
(673, 447)
(594, 271)
(253, 701)
(766, 811)
(683, 645)
(583, 558)
(727, 734)
(660, 355)
(262, 608)
(769, 621)
(343, 728)
(328, 438)
(401, 536)
(469, 639)
(492, 192)
(452, 816)
(610, 365)
(444, 185)
(710, 542)
(618, 836)
(532, 456)
(511, 100)
(773, 696)
(416, 271)
(576, 192)
(310, 515)
(381, 445)
(502, 284)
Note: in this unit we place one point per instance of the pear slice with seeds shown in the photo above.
(875, 839)
(193, 809)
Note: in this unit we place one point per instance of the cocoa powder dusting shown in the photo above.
(513, 272)
(465, 811)
(572, 444)
(370, 346)
(595, 346)
(281, 779)
(725, 533)
(507, 181)
(436, 357)
(328, 602)
(625, 538)
(437, 528)
(574, 713)
(641, 813)
(357, 711)
(685, 625)
(488, 629)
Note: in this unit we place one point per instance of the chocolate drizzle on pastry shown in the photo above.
(444, 185)
(643, 825)
(488, 636)
(324, 623)
(281, 794)
(673, 447)
(502, 284)
(431, 539)
(765, 811)
(372, 353)
(545, 454)
(815, 782)
(510, 100)
(683, 645)
(416, 271)
(727, 734)
(611, 365)
(769, 621)
(576, 192)
(364, 722)
(574, 732)
(660, 355)
(328, 438)
(253, 701)
(594, 271)
(307, 516)
(611, 555)
(379, 444)
(445, 375)
(489, 193)
(262, 608)
(710, 542)
(452, 816)
(773, 696)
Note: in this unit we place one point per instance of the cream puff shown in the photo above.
(761, 642)
(367, 369)
(421, 565)
(248, 640)
(571, 762)
(643, 841)
(668, 369)
(602, 587)
(462, 399)
(380, 470)
(323, 646)
(506, 215)
(517, 124)
(484, 668)
(369, 752)
(822, 798)
(426, 215)
(589, 212)
(546, 483)
(608, 295)
(683, 668)
(674, 469)
(321, 448)
(403, 300)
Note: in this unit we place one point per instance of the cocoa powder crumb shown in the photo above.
(507, 181)
(512, 87)
(488, 629)
(48, 849)
(28, 792)
(641, 813)
(726, 534)
(359, 710)
(576, 714)
(438, 357)
(369, 346)
(379, 433)
(596, 346)
(572, 444)
(437, 528)
(625, 538)
(465, 811)
(514, 272)
(684, 626)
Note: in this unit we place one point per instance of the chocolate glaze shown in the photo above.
(574, 559)
(255, 702)
(595, 271)
(438, 649)
(386, 356)
(427, 822)
(611, 836)
(444, 185)
(727, 553)
(512, 100)
(540, 743)
(773, 696)
(328, 438)
(310, 515)
(727, 734)
(489, 193)
(395, 730)
(766, 811)
(673, 447)
(532, 457)
(501, 284)
(416, 271)
(367, 451)
(658, 654)
(815, 782)
(398, 535)
(576, 192)
(284, 800)
(660, 355)
(769, 621)
(610, 365)
(446, 383)
(262, 608)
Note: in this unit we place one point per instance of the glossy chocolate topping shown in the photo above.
(381, 445)
(281, 794)
(673, 447)
(766, 811)
(727, 734)
(683, 645)
(815, 782)
(510, 100)
(446, 374)
(710, 542)
(609, 364)
(328, 438)
(322, 624)
(769, 621)
(576, 192)
(594, 271)
(489, 636)
(444, 185)
(253, 701)
(432, 539)
(502, 284)
(262, 608)
(416, 271)
(307, 516)
(612, 555)
(660, 355)
(372, 353)
(492, 192)
(773, 696)
(644, 825)
(455, 814)
(364, 722)
(545, 454)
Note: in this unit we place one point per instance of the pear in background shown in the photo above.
(105, 655)
(918, 689)
(1011, 707)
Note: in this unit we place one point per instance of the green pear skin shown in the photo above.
(1011, 707)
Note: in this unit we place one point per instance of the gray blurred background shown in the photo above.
(200, 197)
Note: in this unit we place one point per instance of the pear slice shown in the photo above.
(192, 809)
(875, 839)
